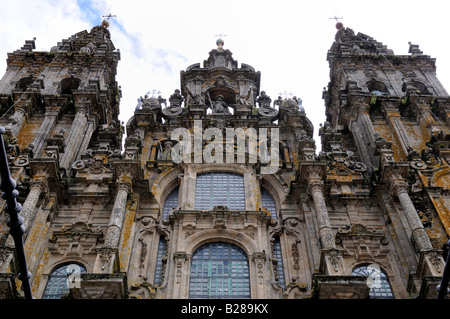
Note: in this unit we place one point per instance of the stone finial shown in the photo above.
(220, 44)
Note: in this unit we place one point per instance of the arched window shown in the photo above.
(162, 247)
(219, 271)
(268, 203)
(69, 84)
(24, 83)
(377, 281)
(420, 88)
(377, 88)
(58, 282)
(170, 203)
(220, 189)
(279, 257)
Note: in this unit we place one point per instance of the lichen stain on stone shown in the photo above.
(126, 236)
(39, 272)
(27, 134)
(386, 133)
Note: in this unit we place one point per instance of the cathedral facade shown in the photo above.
(218, 190)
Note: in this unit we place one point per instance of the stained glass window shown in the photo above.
(219, 271)
(220, 189)
(60, 279)
(268, 202)
(279, 257)
(377, 281)
(170, 203)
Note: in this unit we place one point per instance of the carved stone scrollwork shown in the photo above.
(142, 290)
(259, 259)
(22, 160)
(174, 109)
(295, 290)
(264, 106)
(180, 259)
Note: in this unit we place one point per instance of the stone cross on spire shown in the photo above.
(339, 25)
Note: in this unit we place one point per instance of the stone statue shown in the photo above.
(264, 100)
(176, 99)
(166, 153)
(219, 106)
(278, 102)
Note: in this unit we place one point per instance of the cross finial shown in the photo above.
(220, 35)
(105, 22)
(339, 24)
(153, 92)
(336, 18)
(286, 93)
(109, 16)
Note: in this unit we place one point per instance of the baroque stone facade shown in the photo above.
(221, 192)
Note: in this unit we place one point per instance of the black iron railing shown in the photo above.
(15, 222)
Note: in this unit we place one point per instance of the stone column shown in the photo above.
(419, 234)
(86, 140)
(331, 263)
(326, 235)
(28, 212)
(74, 138)
(364, 135)
(117, 218)
(47, 126)
(397, 126)
(18, 118)
(107, 257)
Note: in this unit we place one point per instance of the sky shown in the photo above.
(286, 40)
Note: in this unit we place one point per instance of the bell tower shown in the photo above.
(392, 112)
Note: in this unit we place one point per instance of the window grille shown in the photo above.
(159, 261)
(219, 271)
(219, 189)
(268, 202)
(279, 257)
(170, 203)
(58, 282)
(378, 281)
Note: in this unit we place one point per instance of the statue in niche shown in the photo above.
(219, 106)
(165, 154)
(244, 100)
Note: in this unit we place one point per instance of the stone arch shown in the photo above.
(67, 85)
(227, 235)
(275, 187)
(25, 82)
(216, 167)
(165, 184)
(377, 87)
(367, 261)
(441, 179)
(61, 262)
